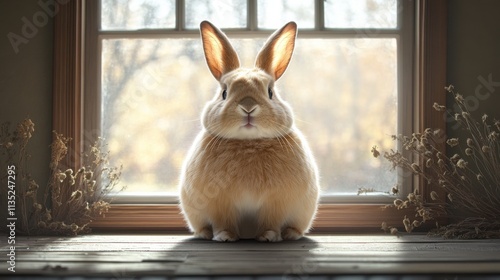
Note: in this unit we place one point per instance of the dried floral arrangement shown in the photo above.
(469, 180)
(71, 200)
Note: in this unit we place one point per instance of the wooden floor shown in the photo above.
(168, 256)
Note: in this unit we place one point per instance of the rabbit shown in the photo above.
(249, 173)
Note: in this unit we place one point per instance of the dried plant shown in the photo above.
(469, 181)
(71, 200)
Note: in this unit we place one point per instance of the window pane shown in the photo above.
(137, 14)
(343, 92)
(274, 14)
(222, 13)
(361, 13)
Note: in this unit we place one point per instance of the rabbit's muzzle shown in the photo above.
(248, 104)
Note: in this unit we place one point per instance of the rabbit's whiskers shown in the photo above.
(302, 121)
(283, 133)
(214, 138)
(192, 120)
(218, 138)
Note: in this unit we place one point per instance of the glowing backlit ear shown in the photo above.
(219, 53)
(277, 51)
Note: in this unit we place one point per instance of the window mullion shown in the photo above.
(319, 15)
(252, 18)
(180, 21)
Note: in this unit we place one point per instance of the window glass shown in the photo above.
(300, 11)
(222, 13)
(137, 14)
(360, 13)
(343, 92)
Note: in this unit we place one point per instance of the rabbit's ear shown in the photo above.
(219, 53)
(277, 51)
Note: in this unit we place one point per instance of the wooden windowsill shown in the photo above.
(330, 218)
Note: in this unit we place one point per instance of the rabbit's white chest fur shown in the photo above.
(248, 205)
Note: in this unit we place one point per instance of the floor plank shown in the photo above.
(178, 255)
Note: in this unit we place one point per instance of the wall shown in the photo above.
(26, 77)
(473, 60)
(474, 55)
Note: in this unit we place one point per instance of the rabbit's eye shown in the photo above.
(224, 94)
(270, 92)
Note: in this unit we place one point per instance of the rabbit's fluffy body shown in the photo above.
(250, 172)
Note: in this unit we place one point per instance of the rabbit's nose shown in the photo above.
(248, 104)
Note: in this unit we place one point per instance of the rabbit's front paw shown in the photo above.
(270, 236)
(291, 234)
(225, 236)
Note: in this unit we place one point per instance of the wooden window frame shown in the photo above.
(71, 81)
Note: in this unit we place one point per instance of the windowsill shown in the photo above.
(171, 198)
(331, 218)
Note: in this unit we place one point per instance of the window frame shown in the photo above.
(403, 33)
(73, 84)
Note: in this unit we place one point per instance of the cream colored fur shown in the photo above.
(250, 172)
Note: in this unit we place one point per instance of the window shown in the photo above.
(77, 87)
(344, 82)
